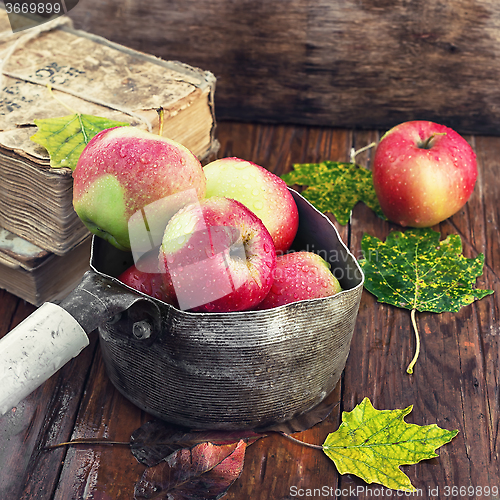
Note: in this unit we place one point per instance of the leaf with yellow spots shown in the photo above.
(65, 137)
(372, 444)
(416, 271)
(335, 187)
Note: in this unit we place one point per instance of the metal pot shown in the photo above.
(200, 370)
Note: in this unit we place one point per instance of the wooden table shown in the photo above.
(456, 383)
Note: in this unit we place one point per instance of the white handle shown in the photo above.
(36, 349)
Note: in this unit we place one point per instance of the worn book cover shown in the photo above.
(90, 75)
(39, 276)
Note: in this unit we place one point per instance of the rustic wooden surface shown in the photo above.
(350, 63)
(455, 384)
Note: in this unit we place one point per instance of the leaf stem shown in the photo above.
(298, 441)
(354, 153)
(69, 108)
(417, 339)
(86, 441)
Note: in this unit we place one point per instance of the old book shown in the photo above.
(90, 75)
(36, 275)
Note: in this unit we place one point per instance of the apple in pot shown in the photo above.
(263, 192)
(218, 256)
(299, 276)
(124, 169)
(423, 173)
(149, 283)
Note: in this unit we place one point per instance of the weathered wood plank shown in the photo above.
(369, 63)
(45, 416)
(455, 383)
(8, 305)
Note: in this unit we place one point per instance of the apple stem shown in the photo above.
(354, 153)
(161, 113)
(417, 338)
(427, 143)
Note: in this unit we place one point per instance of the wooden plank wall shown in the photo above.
(348, 63)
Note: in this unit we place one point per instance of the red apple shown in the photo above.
(218, 256)
(124, 169)
(149, 283)
(423, 173)
(300, 276)
(263, 192)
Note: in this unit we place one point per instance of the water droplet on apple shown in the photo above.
(123, 152)
(258, 205)
(255, 192)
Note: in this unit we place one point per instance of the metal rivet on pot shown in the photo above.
(142, 330)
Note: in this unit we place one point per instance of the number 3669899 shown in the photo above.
(33, 7)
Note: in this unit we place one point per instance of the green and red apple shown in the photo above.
(263, 192)
(423, 173)
(298, 276)
(124, 169)
(218, 256)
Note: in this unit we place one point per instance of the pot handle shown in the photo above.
(36, 349)
(54, 334)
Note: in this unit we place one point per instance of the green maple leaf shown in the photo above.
(416, 271)
(372, 444)
(335, 187)
(65, 137)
